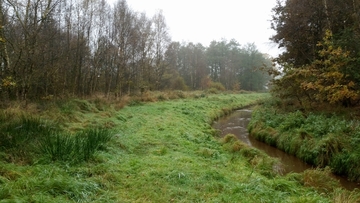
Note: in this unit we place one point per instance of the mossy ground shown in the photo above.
(164, 151)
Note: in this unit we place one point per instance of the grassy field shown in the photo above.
(164, 151)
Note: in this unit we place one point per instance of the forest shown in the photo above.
(320, 64)
(66, 48)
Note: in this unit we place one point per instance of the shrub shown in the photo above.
(179, 84)
(217, 85)
(212, 91)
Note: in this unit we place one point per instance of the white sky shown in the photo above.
(202, 21)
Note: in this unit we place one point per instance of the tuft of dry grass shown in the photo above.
(229, 138)
(345, 196)
(237, 146)
(320, 179)
(125, 100)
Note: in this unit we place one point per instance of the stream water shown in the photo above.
(236, 123)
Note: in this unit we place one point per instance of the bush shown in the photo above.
(217, 85)
(212, 91)
(179, 84)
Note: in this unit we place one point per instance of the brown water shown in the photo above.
(236, 123)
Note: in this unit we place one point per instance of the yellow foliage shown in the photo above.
(325, 80)
(8, 82)
(326, 76)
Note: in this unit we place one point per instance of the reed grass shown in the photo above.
(74, 148)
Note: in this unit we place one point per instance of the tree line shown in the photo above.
(61, 48)
(321, 39)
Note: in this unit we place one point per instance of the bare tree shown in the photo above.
(30, 17)
(161, 42)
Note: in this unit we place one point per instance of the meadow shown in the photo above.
(149, 149)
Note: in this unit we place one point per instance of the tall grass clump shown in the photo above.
(20, 135)
(75, 147)
(320, 179)
(345, 196)
(24, 138)
(257, 159)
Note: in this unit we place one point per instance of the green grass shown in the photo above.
(74, 148)
(321, 139)
(160, 152)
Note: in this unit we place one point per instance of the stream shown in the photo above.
(236, 123)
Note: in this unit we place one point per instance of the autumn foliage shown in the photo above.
(328, 78)
(319, 65)
(325, 80)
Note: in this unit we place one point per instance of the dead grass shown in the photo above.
(232, 144)
(321, 180)
(345, 196)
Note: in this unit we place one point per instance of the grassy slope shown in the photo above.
(161, 152)
(319, 138)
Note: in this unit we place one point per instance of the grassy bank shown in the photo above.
(164, 151)
(319, 138)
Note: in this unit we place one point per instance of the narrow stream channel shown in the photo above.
(236, 123)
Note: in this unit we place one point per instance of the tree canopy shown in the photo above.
(321, 57)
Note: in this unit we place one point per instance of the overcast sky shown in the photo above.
(202, 21)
